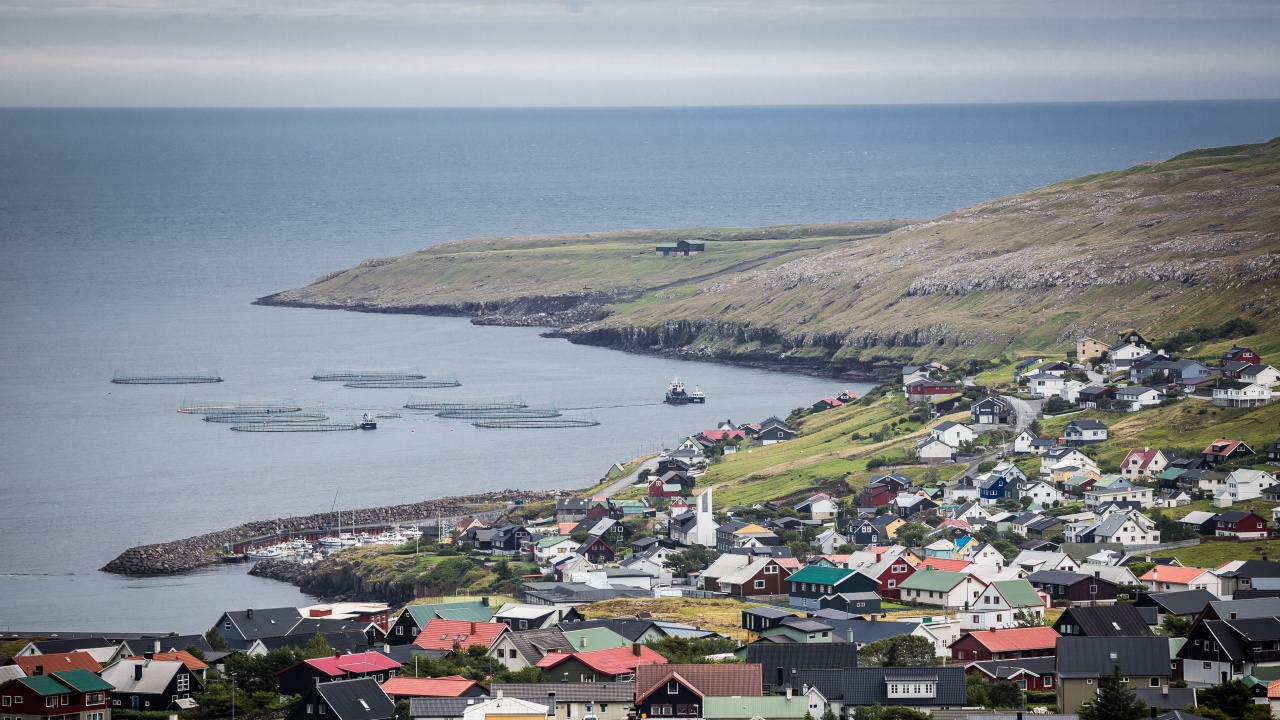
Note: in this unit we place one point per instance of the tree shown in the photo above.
(1232, 698)
(912, 534)
(691, 651)
(1174, 626)
(1114, 701)
(898, 651)
(1027, 620)
(194, 652)
(214, 638)
(317, 647)
(402, 709)
(693, 559)
(975, 691)
(1004, 694)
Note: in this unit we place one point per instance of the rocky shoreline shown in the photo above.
(335, 579)
(192, 553)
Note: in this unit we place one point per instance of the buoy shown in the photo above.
(412, 430)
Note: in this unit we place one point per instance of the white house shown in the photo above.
(941, 588)
(1033, 560)
(1138, 397)
(1167, 578)
(1241, 394)
(1098, 497)
(1246, 484)
(551, 550)
(1003, 604)
(1130, 529)
(819, 507)
(1263, 375)
(933, 451)
(1039, 491)
(984, 554)
(1045, 384)
(972, 513)
(1029, 442)
(1084, 432)
(1008, 471)
(953, 433)
(828, 540)
(1071, 390)
(1123, 355)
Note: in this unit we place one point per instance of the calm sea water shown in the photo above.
(137, 239)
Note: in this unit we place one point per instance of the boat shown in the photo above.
(410, 533)
(270, 553)
(330, 542)
(697, 396)
(676, 394)
(368, 423)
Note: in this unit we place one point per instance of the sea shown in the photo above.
(137, 239)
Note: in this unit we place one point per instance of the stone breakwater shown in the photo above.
(196, 552)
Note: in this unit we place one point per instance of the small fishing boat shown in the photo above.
(410, 533)
(271, 553)
(368, 423)
(676, 394)
(697, 396)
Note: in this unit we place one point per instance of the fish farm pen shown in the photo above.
(129, 377)
(536, 423)
(330, 375)
(441, 381)
(239, 418)
(237, 407)
(296, 427)
(506, 402)
(472, 413)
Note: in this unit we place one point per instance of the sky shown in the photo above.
(521, 53)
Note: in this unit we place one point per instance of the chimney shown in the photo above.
(485, 601)
(851, 630)
(804, 689)
(137, 672)
(788, 692)
(157, 647)
(635, 649)
(148, 655)
(39, 670)
(499, 694)
(249, 613)
(582, 642)
(315, 682)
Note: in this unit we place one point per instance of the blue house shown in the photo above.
(862, 532)
(991, 489)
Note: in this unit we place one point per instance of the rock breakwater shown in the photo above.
(201, 550)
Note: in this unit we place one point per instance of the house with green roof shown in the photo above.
(941, 588)
(596, 638)
(58, 694)
(807, 586)
(415, 617)
(1004, 604)
(551, 550)
(746, 707)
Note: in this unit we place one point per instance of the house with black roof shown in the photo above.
(1219, 651)
(1120, 620)
(360, 699)
(920, 688)
(239, 628)
(1182, 604)
(1079, 433)
(758, 619)
(1075, 587)
(990, 410)
(773, 431)
(778, 661)
(681, 247)
(1252, 575)
(1082, 661)
(1032, 673)
(346, 642)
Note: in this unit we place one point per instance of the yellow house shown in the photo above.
(1087, 349)
(1061, 475)
(889, 524)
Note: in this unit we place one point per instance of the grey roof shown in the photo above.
(804, 656)
(579, 592)
(1091, 657)
(441, 707)
(1003, 669)
(1107, 620)
(360, 699)
(865, 631)
(1256, 629)
(346, 642)
(1183, 602)
(1256, 569)
(66, 645)
(533, 645)
(1245, 609)
(10, 672)
(1179, 715)
(867, 686)
(629, 628)
(1088, 424)
(765, 611)
(1174, 699)
(619, 692)
(266, 622)
(1057, 577)
(404, 653)
(175, 642)
(156, 675)
(316, 626)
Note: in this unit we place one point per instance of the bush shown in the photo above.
(1042, 697)
(875, 462)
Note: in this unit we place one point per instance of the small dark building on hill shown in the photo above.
(1075, 587)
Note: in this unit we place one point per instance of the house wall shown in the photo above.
(656, 704)
(1073, 692)
(774, 583)
(33, 705)
(578, 672)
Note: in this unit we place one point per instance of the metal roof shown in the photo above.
(360, 699)
(774, 707)
(1106, 620)
(1091, 657)
(1183, 602)
(620, 692)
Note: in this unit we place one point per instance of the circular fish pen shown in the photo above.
(196, 377)
(242, 418)
(238, 407)
(536, 423)
(332, 375)
(505, 402)
(295, 427)
(440, 381)
(539, 411)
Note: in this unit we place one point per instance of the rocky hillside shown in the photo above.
(1190, 241)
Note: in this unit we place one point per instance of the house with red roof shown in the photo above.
(1147, 462)
(1004, 644)
(723, 435)
(401, 688)
(36, 665)
(612, 665)
(933, 563)
(1241, 354)
(1168, 578)
(847, 396)
(193, 663)
(1224, 449)
(826, 404)
(445, 634)
(299, 678)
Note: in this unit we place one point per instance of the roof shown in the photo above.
(945, 564)
(1121, 619)
(1091, 657)
(156, 675)
(1197, 517)
(43, 685)
(1183, 602)
(774, 707)
(10, 672)
(1173, 574)
(820, 575)
(928, 579)
(340, 665)
(427, 687)
(619, 692)
(57, 661)
(360, 699)
(770, 657)
(1088, 424)
(1057, 577)
(868, 686)
(614, 661)
(594, 638)
(66, 645)
(1007, 668)
(182, 656)
(266, 622)
(473, 610)
(713, 679)
(1032, 638)
(438, 707)
(442, 634)
(83, 680)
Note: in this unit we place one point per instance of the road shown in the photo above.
(630, 478)
(1026, 411)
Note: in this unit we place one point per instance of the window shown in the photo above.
(226, 625)
(311, 709)
(893, 583)
(320, 709)
(399, 629)
(1124, 680)
(759, 584)
(93, 698)
(604, 707)
(184, 683)
(1089, 681)
(1155, 682)
(524, 624)
(682, 709)
(1208, 666)
(51, 702)
(8, 700)
(771, 569)
(673, 688)
(1048, 681)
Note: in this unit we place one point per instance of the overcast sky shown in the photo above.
(427, 53)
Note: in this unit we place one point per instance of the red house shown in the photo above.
(596, 550)
(726, 435)
(889, 574)
(922, 390)
(1240, 524)
(756, 578)
(658, 488)
(826, 404)
(444, 634)
(1223, 449)
(297, 679)
(1241, 354)
(1029, 673)
(1004, 644)
(880, 491)
(58, 694)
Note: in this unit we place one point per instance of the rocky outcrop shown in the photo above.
(335, 579)
(195, 552)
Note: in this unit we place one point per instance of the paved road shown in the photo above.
(630, 479)
(1026, 411)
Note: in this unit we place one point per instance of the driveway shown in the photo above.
(1027, 411)
(630, 479)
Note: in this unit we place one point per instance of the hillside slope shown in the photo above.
(1192, 240)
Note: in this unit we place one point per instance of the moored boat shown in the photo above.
(676, 394)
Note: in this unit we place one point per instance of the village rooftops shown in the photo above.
(1012, 639)
(448, 686)
(33, 665)
(444, 634)
(616, 661)
(342, 665)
